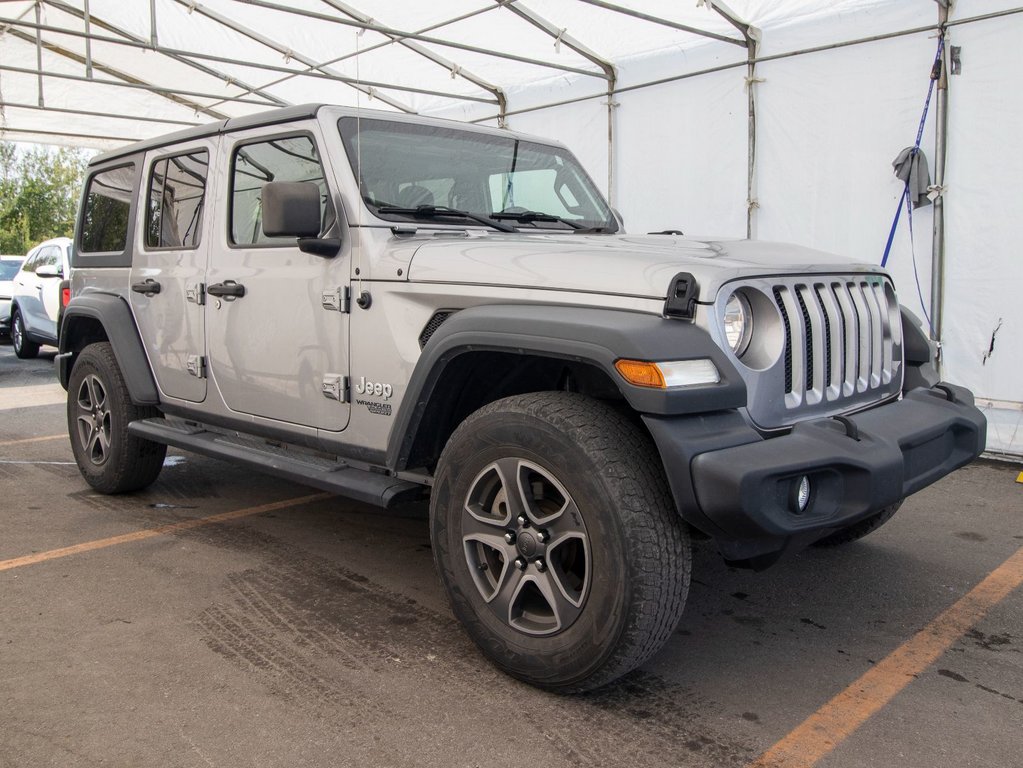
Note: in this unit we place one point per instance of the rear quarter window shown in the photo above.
(106, 214)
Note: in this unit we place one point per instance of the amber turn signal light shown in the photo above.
(641, 373)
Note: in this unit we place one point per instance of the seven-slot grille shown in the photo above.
(839, 339)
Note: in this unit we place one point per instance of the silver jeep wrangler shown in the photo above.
(390, 307)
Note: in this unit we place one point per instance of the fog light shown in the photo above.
(801, 498)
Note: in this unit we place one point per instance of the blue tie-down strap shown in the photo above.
(935, 74)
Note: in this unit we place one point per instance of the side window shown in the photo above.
(177, 192)
(49, 256)
(107, 210)
(293, 158)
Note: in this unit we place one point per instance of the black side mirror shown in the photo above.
(291, 209)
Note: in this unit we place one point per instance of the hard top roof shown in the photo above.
(291, 114)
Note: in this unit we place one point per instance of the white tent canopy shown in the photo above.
(772, 118)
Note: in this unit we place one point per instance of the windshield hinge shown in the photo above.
(683, 292)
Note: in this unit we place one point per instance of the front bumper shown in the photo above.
(741, 489)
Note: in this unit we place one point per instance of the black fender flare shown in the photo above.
(584, 334)
(113, 313)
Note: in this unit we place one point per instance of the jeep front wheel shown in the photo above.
(99, 409)
(557, 540)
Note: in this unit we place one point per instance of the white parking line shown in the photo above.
(27, 397)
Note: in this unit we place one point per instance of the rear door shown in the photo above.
(279, 351)
(29, 290)
(169, 265)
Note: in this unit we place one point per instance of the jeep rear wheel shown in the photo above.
(23, 348)
(99, 409)
(557, 540)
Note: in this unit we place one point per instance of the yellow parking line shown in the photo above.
(833, 723)
(33, 440)
(149, 533)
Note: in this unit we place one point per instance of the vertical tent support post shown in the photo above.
(39, 53)
(152, 23)
(87, 17)
(611, 104)
(751, 140)
(751, 39)
(940, 152)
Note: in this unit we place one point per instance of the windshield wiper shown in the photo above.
(528, 217)
(441, 211)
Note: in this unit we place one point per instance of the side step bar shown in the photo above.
(333, 476)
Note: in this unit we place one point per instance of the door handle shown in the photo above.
(149, 287)
(228, 289)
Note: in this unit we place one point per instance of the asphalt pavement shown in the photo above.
(303, 630)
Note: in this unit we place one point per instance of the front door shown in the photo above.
(278, 346)
(172, 236)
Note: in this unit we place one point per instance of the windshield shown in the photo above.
(9, 268)
(405, 165)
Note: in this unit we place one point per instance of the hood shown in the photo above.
(626, 265)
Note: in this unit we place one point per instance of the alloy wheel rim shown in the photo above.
(93, 419)
(17, 333)
(526, 547)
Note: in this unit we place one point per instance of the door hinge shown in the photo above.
(196, 365)
(335, 387)
(338, 300)
(196, 293)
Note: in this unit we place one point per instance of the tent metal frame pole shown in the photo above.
(663, 22)
(168, 93)
(124, 79)
(752, 201)
(87, 17)
(153, 40)
(751, 38)
(389, 41)
(456, 70)
(758, 60)
(181, 55)
(287, 52)
(384, 30)
(561, 36)
(39, 55)
(97, 113)
(63, 135)
(940, 155)
(135, 41)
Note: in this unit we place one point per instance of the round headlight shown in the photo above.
(738, 323)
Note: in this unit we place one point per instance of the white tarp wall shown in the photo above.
(829, 125)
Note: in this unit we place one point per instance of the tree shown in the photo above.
(39, 192)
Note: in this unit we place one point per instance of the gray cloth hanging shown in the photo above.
(911, 166)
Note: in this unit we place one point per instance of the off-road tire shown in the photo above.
(860, 529)
(638, 547)
(23, 348)
(99, 408)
